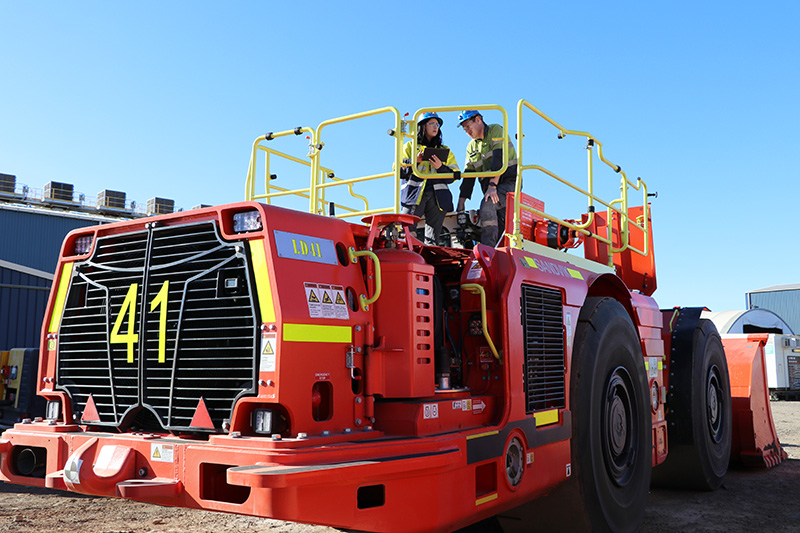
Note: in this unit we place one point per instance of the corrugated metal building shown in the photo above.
(23, 297)
(32, 236)
(783, 300)
(29, 247)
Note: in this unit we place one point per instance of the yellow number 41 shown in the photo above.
(129, 309)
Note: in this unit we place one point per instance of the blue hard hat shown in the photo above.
(466, 115)
(429, 115)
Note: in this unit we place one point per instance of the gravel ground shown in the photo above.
(749, 500)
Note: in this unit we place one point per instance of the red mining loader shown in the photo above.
(328, 367)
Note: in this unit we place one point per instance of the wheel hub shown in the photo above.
(714, 404)
(514, 462)
(619, 427)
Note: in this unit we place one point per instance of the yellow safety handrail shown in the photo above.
(283, 191)
(329, 174)
(622, 211)
(251, 171)
(323, 179)
(474, 288)
(318, 144)
(362, 298)
(349, 182)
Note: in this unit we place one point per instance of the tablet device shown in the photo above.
(441, 153)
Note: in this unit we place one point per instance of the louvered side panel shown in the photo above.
(542, 317)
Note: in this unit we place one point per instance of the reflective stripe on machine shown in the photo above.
(317, 333)
(61, 296)
(486, 499)
(544, 418)
(479, 435)
(263, 286)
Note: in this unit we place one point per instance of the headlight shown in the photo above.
(247, 221)
(83, 244)
(53, 410)
(262, 421)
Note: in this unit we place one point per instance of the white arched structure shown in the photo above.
(735, 321)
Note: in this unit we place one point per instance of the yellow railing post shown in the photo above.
(517, 239)
(314, 147)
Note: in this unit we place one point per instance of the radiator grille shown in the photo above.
(192, 296)
(542, 321)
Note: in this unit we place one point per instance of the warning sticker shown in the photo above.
(314, 300)
(653, 367)
(326, 301)
(475, 270)
(430, 410)
(340, 310)
(269, 348)
(486, 355)
(163, 453)
(456, 405)
(568, 322)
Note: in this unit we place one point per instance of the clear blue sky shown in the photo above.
(164, 99)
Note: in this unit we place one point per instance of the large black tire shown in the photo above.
(699, 414)
(612, 436)
(611, 432)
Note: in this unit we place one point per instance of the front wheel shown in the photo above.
(611, 432)
(611, 445)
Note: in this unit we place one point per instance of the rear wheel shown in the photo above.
(699, 416)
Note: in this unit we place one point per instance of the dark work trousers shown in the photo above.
(434, 217)
(493, 216)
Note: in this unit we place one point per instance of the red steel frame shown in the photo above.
(348, 471)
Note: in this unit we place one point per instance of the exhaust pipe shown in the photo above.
(30, 461)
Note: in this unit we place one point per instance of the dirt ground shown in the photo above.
(749, 500)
